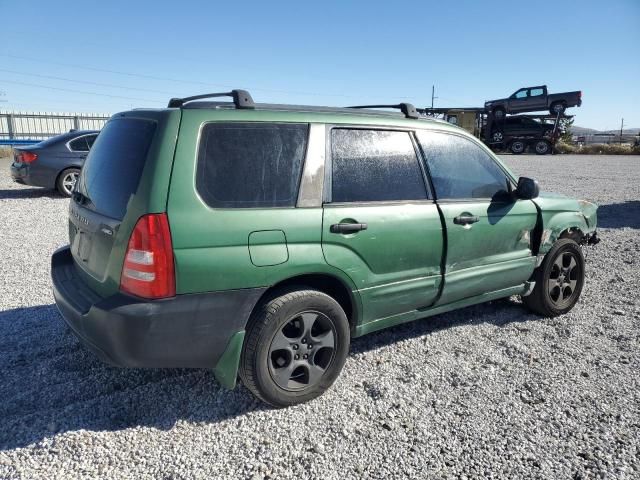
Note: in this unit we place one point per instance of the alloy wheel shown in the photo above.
(302, 350)
(563, 279)
(69, 182)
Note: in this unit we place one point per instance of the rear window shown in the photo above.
(250, 165)
(112, 171)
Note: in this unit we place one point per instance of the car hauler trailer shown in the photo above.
(538, 133)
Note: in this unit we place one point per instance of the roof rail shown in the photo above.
(408, 109)
(241, 99)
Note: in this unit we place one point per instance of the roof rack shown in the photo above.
(241, 99)
(408, 109)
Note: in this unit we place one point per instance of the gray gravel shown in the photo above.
(491, 391)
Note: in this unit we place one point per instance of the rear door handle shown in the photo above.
(347, 227)
(465, 219)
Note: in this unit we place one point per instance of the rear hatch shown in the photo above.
(125, 176)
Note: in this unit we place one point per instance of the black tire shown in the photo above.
(499, 113)
(517, 147)
(497, 136)
(63, 186)
(542, 147)
(552, 296)
(276, 375)
(558, 107)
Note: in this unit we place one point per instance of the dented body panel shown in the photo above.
(562, 215)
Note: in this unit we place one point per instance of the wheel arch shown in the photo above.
(562, 225)
(327, 283)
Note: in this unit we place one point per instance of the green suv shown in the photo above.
(256, 240)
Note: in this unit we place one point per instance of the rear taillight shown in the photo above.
(580, 94)
(148, 269)
(27, 157)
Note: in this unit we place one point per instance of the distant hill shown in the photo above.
(590, 131)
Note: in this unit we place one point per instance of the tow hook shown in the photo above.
(593, 239)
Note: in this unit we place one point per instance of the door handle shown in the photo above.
(347, 227)
(465, 219)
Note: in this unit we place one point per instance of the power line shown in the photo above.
(81, 92)
(175, 80)
(86, 82)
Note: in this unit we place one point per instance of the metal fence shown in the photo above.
(22, 127)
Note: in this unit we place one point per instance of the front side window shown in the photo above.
(520, 94)
(460, 169)
(536, 92)
(250, 165)
(374, 166)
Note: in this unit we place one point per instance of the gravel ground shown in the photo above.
(490, 391)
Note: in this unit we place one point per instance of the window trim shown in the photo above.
(68, 144)
(482, 147)
(256, 122)
(327, 199)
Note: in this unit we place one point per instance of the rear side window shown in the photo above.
(459, 168)
(79, 144)
(113, 167)
(250, 165)
(374, 166)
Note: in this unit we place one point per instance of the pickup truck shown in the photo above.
(534, 99)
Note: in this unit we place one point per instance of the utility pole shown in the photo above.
(621, 127)
(433, 92)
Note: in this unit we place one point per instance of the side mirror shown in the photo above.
(527, 188)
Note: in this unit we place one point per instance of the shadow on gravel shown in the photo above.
(619, 215)
(501, 313)
(29, 193)
(50, 384)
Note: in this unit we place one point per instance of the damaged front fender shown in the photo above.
(561, 216)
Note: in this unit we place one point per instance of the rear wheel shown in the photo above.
(517, 147)
(542, 147)
(66, 181)
(557, 108)
(559, 280)
(295, 347)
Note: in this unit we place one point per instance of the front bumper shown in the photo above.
(187, 331)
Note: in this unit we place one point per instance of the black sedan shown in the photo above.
(53, 163)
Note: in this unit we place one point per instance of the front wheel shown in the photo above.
(295, 347)
(66, 181)
(559, 280)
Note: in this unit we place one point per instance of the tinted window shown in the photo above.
(250, 164)
(374, 165)
(79, 144)
(112, 171)
(459, 168)
(91, 140)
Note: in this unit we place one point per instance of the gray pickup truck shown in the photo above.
(534, 99)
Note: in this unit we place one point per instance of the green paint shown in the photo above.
(226, 370)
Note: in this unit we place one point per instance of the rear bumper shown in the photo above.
(20, 173)
(187, 331)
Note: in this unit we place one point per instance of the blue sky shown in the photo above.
(87, 56)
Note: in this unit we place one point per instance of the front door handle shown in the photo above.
(347, 227)
(465, 219)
